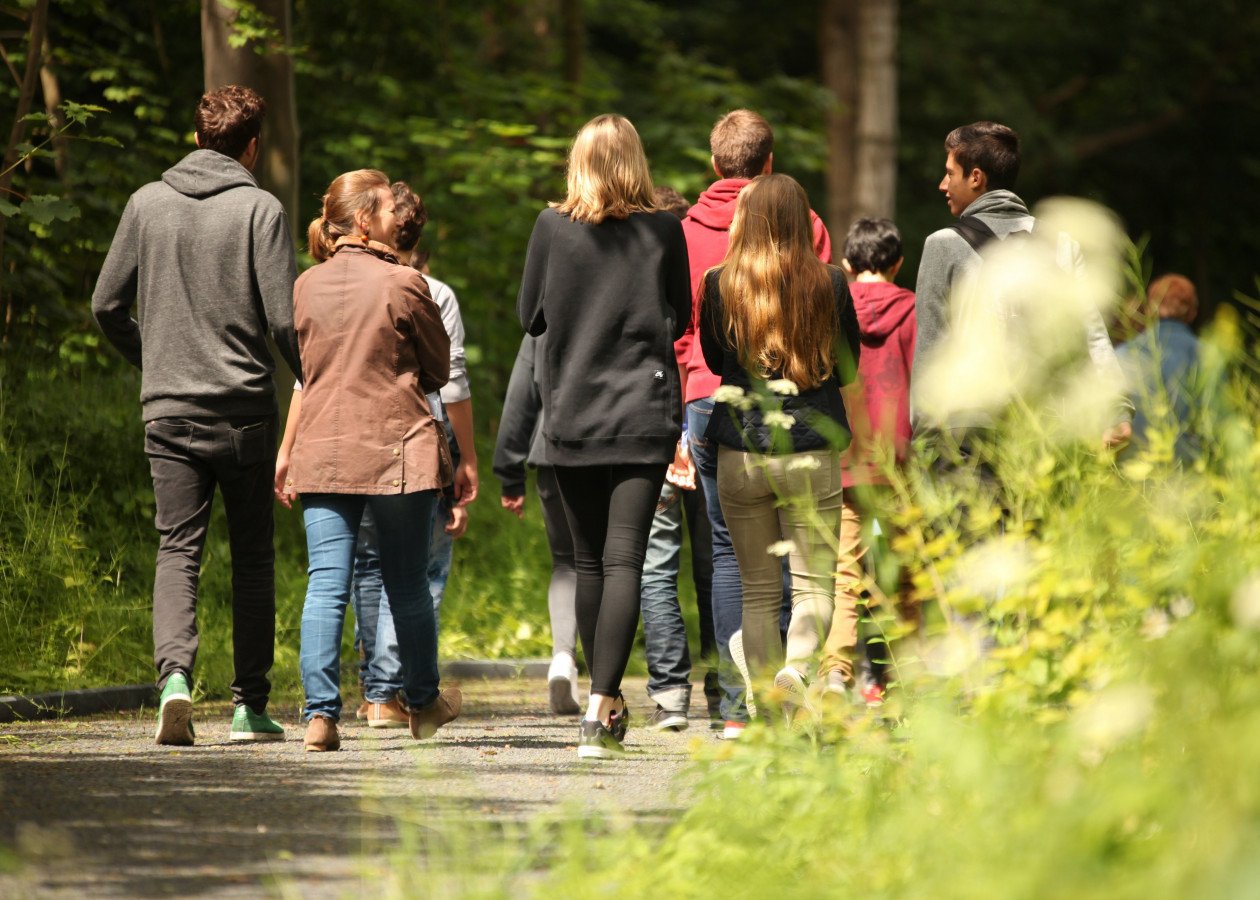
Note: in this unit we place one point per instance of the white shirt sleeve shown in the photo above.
(455, 389)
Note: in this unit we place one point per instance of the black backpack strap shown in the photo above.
(974, 231)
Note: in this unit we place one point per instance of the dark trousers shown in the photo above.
(188, 458)
(610, 510)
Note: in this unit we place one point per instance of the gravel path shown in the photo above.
(93, 807)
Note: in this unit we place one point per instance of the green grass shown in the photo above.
(77, 548)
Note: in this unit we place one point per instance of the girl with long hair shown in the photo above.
(778, 325)
(372, 344)
(606, 279)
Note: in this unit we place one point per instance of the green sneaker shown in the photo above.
(248, 725)
(174, 726)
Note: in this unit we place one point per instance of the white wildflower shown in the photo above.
(1155, 624)
(778, 419)
(733, 396)
(994, 568)
(1182, 607)
(1245, 604)
(805, 462)
(1113, 715)
(783, 386)
(781, 548)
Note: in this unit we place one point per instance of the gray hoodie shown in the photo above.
(206, 258)
(947, 256)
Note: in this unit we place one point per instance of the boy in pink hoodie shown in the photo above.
(742, 145)
(881, 425)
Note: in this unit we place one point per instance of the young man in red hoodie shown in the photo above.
(881, 423)
(742, 145)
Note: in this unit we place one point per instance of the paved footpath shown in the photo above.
(91, 807)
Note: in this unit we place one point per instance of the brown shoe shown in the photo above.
(321, 735)
(427, 720)
(362, 712)
(387, 715)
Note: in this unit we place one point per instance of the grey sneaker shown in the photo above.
(666, 720)
(174, 726)
(597, 742)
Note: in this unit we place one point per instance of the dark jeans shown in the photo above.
(664, 632)
(609, 509)
(188, 457)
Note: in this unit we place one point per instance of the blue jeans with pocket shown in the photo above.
(403, 523)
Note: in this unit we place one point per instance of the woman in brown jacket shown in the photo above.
(372, 344)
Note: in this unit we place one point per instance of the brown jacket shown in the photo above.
(372, 345)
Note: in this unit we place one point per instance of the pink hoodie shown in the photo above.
(707, 229)
(885, 314)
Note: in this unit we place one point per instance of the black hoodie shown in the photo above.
(206, 257)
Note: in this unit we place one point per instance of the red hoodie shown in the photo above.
(707, 228)
(885, 314)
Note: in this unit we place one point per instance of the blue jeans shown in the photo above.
(728, 603)
(664, 632)
(332, 528)
(380, 667)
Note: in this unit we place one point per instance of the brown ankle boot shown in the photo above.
(427, 720)
(387, 715)
(321, 735)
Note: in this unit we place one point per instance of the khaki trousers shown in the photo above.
(792, 504)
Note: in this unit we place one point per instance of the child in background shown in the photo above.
(881, 421)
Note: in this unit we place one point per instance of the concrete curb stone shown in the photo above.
(114, 699)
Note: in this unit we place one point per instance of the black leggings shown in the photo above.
(610, 511)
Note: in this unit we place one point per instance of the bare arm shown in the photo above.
(283, 494)
(466, 480)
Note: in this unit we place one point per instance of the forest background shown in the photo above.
(1148, 108)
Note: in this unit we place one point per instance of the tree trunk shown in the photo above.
(875, 171)
(859, 64)
(36, 35)
(573, 28)
(838, 51)
(271, 74)
(52, 100)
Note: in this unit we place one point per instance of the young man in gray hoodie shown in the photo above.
(981, 164)
(206, 260)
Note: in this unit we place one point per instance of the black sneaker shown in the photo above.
(597, 742)
(666, 720)
(619, 722)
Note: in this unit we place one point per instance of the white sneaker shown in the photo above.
(737, 655)
(562, 685)
(835, 685)
(791, 684)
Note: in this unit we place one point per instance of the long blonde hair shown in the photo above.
(607, 175)
(778, 302)
(350, 192)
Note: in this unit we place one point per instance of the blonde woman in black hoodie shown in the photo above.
(606, 278)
